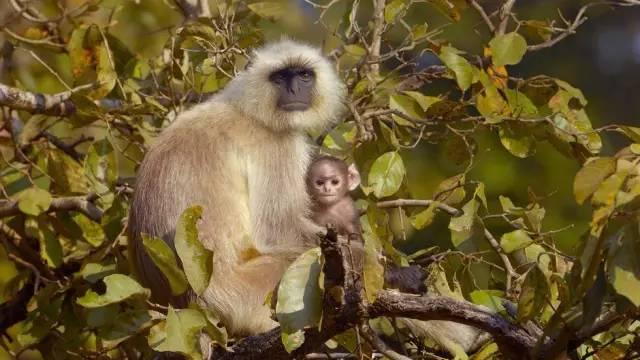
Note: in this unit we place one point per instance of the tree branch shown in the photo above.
(483, 14)
(411, 202)
(505, 12)
(81, 204)
(344, 307)
(35, 103)
(514, 342)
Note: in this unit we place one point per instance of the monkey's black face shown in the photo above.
(295, 87)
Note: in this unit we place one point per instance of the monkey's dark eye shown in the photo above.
(278, 77)
(319, 182)
(305, 74)
(335, 181)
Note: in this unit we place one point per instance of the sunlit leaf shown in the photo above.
(50, 248)
(181, 329)
(592, 174)
(118, 288)
(101, 165)
(165, 260)
(517, 140)
(425, 217)
(196, 259)
(423, 100)
(386, 174)
(462, 227)
(393, 9)
(68, 174)
(269, 9)
(459, 65)
(515, 240)
(93, 272)
(535, 291)
(299, 298)
(34, 201)
(508, 49)
(623, 265)
(373, 270)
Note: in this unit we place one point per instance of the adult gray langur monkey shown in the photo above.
(242, 155)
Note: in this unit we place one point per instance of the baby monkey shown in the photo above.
(329, 181)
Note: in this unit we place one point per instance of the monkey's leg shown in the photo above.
(238, 292)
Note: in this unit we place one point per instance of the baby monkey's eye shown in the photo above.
(335, 181)
(319, 182)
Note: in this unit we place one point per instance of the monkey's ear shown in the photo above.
(354, 177)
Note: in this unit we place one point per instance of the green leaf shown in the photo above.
(93, 272)
(407, 106)
(299, 298)
(423, 100)
(182, 333)
(124, 325)
(591, 176)
(165, 260)
(50, 247)
(425, 217)
(509, 207)
(118, 288)
(459, 65)
(517, 140)
(515, 240)
(34, 201)
(623, 265)
(508, 49)
(91, 231)
(633, 133)
(68, 174)
(100, 165)
(450, 191)
(269, 9)
(196, 259)
(535, 291)
(520, 104)
(106, 72)
(462, 227)
(392, 10)
(372, 269)
(386, 174)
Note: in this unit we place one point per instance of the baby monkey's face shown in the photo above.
(327, 182)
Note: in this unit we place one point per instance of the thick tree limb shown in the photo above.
(514, 342)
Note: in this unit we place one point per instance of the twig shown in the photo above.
(68, 149)
(411, 202)
(374, 340)
(55, 104)
(505, 259)
(483, 14)
(81, 204)
(376, 37)
(505, 12)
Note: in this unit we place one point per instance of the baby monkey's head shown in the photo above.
(330, 179)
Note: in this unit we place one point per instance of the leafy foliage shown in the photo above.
(451, 135)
